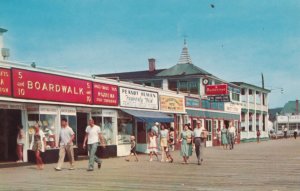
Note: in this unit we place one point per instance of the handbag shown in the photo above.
(189, 140)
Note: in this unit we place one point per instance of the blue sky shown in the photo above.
(237, 40)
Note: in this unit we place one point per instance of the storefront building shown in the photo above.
(254, 112)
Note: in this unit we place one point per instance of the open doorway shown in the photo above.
(9, 119)
(82, 122)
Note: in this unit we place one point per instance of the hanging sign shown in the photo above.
(5, 82)
(138, 98)
(50, 87)
(105, 94)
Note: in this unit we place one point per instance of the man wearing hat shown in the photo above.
(197, 140)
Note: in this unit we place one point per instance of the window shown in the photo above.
(125, 128)
(258, 98)
(172, 85)
(235, 96)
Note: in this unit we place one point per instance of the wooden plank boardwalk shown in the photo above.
(272, 165)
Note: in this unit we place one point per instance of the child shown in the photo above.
(132, 150)
(152, 145)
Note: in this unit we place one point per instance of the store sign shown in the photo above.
(192, 102)
(45, 109)
(171, 104)
(50, 87)
(231, 107)
(220, 89)
(12, 106)
(138, 98)
(220, 98)
(68, 111)
(5, 82)
(105, 94)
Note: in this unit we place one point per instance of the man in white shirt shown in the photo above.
(92, 137)
(66, 138)
(197, 140)
(232, 133)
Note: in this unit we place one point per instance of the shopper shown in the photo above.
(224, 137)
(197, 140)
(92, 137)
(285, 131)
(186, 144)
(164, 136)
(67, 137)
(132, 149)
(258, 135)
(38, 142)
(152, 145)
(232, 134)
(20, 143)
(295, 133)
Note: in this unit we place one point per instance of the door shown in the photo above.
(8, 133)
(82, 122)
(208, 126)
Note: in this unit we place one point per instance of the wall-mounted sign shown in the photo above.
(171, 104)
(105, 94)
(232, 107)
(5, 82)
(192, 102)
(68, 111)
(220, 89)
(138, 98)
(220, 98)
(50, 87)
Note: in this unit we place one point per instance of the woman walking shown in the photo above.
(186, 144)
(224, 136)
(38, 143)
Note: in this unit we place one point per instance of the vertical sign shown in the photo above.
(5, 82)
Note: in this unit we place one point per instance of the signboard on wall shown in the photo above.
(220, 98)
(232, 107)
(220, 89)
(5, 82)
(50, 87)
(192, 102)
(138, 98)
(105, 94)
(171, 104)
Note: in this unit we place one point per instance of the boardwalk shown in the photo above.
(272, 165)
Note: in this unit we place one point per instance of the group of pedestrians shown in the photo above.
(228, 136)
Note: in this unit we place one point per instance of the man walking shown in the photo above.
(232, 133)
(197, 140)
(92, 137)
(67, 136)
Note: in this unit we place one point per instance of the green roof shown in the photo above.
(183, 69)
(290, 107)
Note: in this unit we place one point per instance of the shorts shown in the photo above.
(163, 142)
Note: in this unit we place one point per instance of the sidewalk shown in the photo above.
(272, 165)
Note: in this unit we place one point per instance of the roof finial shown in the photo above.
(184, 42)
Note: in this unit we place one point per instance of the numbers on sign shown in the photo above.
(21, 91)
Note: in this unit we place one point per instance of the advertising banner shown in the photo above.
(138, 98)
(50, 87)
(5, 82)
(105, 94)
(171, 104)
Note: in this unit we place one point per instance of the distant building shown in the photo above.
(288, 117)
(247, 108)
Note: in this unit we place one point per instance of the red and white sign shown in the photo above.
(5, 82)
(220, 89)
(105, 94)
(50, 87)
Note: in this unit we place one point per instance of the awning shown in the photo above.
(149, 116)
(209, 114)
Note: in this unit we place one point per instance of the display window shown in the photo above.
(106, 120)
(125, 128)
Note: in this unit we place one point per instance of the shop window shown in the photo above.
(106, 126)
(125, 128)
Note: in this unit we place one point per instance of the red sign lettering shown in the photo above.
(50, 87)
(105, 94)
(5, 82)
(220, 89)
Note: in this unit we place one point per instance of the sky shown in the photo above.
(235, 40)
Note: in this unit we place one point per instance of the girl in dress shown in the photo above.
(152, 145)
(38, 142)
